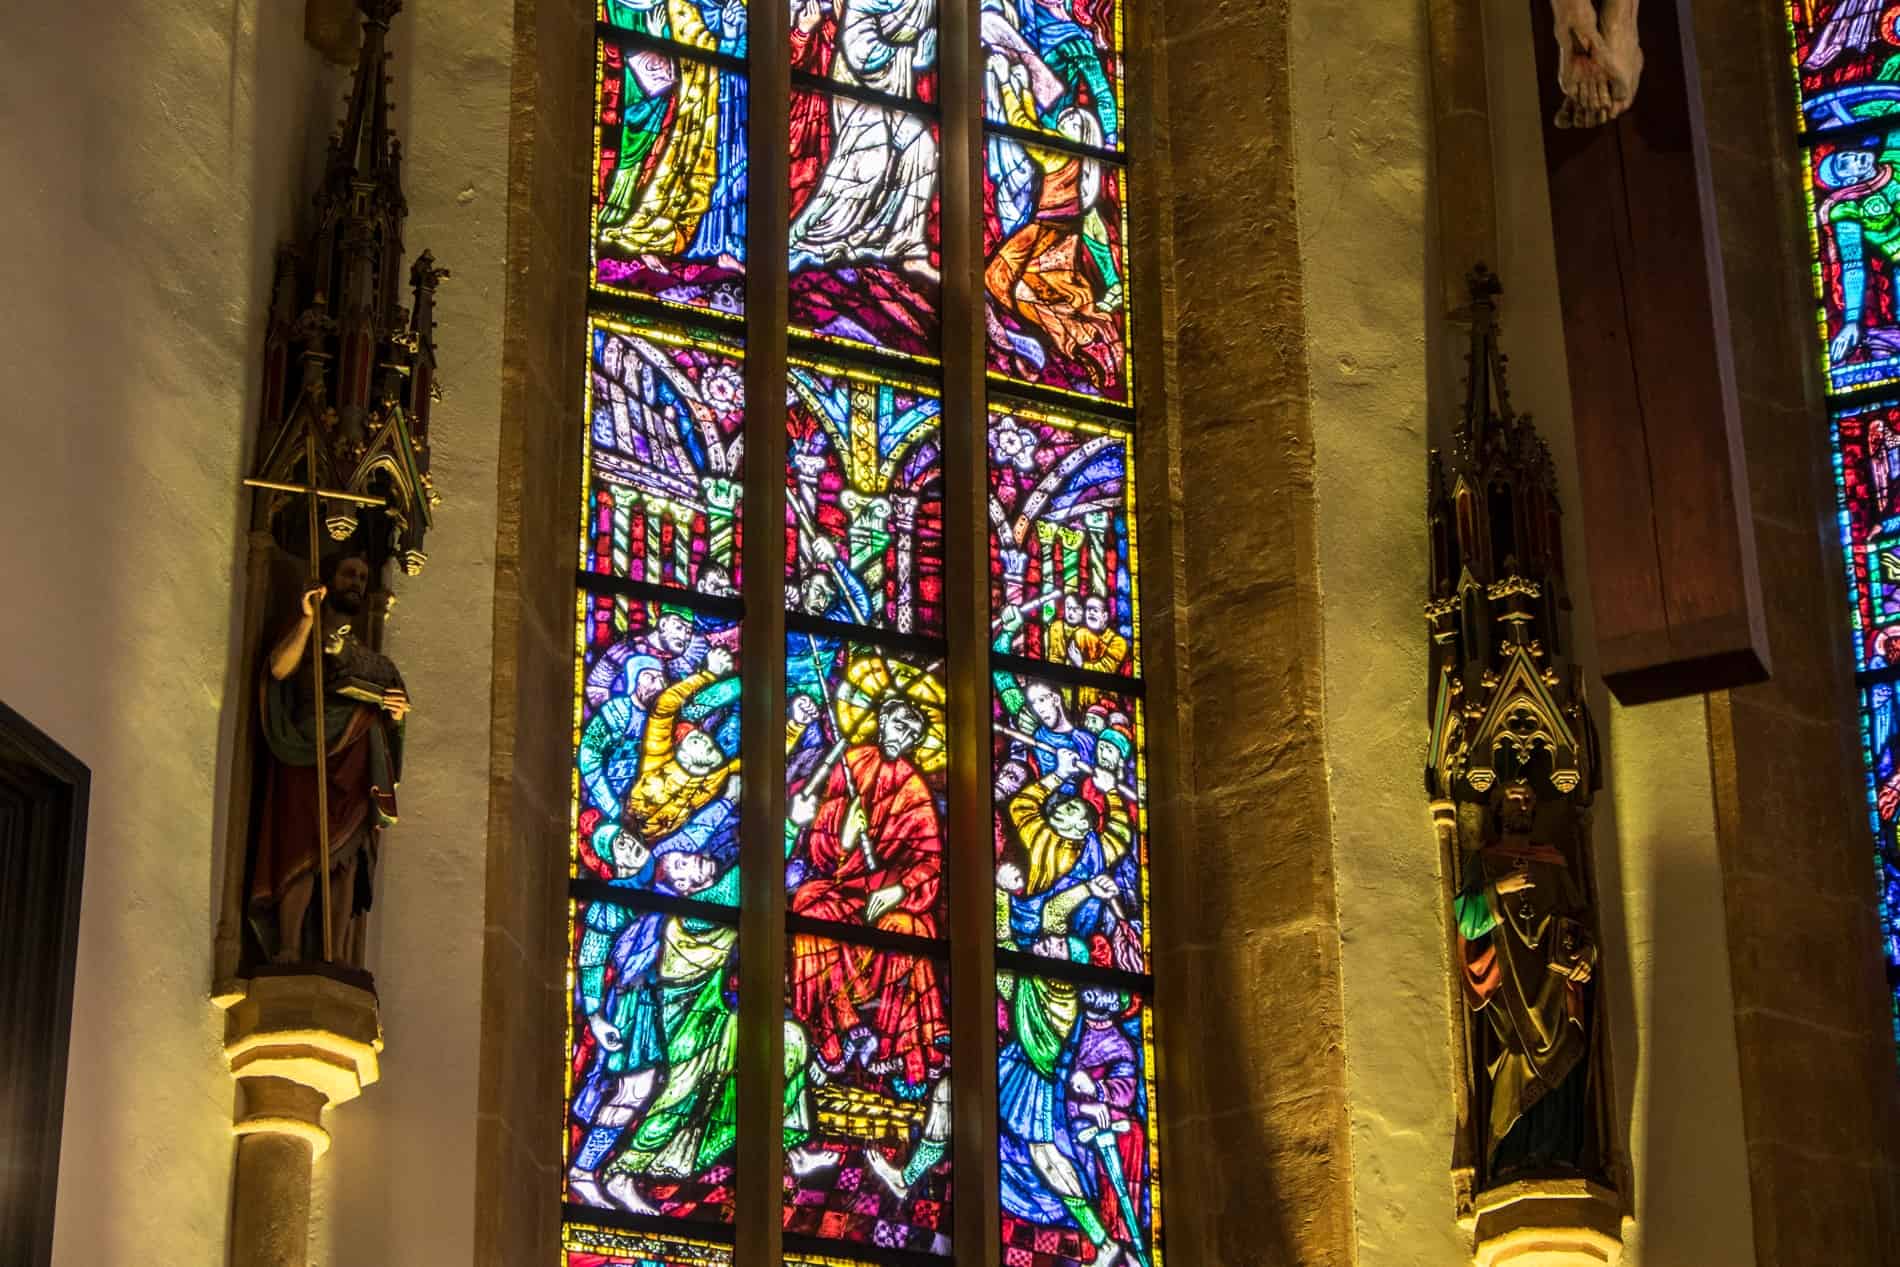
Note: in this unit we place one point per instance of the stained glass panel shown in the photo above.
(670, 179)
(866, 257)
(718, 25)
(865, 769)
(1867, 474)
(1075, 1067)
(867, 1101)
(1880, 740)
(1056, 66)
(665, 457)
(656, 743)
(888, 46)
(1070, 829)
(652, 1035)
(1062, 546)
(602, 1247)
(864, 500)
(1855, 232)
(1846, 59)
(1055, 269)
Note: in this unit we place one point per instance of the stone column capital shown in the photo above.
(317, 1036)
(1548, 1223)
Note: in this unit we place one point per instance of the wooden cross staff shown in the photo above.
(312, 494)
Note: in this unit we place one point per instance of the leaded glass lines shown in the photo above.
(1845, 57)
(733, 265)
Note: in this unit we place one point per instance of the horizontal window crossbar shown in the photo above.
(805, 81)
(729, 326)
(590, 890)
(1061, 402)
(805, 347)
(1066, 674)
(873, 1255)
(887, 639)
(1081, 973)
(651, 1224)
(620, 587)
(1055, 141)
(875, 938)
(619, 36)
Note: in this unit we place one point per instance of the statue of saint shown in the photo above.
(1525, 933)
(364, 705)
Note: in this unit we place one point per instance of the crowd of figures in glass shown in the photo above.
(1074, 1052)
(1512, 767)
(343, 493)
(653, 1104)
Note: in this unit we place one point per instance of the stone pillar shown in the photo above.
(297, 1044)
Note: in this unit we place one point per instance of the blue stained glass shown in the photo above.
(1880, 741)
(1079, 1179)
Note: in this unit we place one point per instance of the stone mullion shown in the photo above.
(967, 624)
(762, 957)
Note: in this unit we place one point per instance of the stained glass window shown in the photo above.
(665, 457)
(1052, 60)
(864, 499)
(866, 247)
(1062, 541)
(1075, 1068)
(1846, 62)
(670, 179)
(668, 631)
(718, 25)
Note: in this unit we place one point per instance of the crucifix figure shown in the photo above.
(325, 803)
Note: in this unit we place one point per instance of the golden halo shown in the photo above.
(868, 684)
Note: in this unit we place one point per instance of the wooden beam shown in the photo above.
(1673, 574)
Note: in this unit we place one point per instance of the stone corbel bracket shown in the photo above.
(1548, 1223)
(296, 1044)
(308, 1031)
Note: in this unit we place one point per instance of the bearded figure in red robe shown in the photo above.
(872, 848)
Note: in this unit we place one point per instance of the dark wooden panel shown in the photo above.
(1673, 575)
(43, 795)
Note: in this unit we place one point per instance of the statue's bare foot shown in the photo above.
(1624, 54)
(1576, 27)
(584, 1187)
(621, 1192)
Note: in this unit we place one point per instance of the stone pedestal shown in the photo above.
(1548, 1223)
(297, 1044)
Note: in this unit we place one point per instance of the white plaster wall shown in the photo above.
(148, 178)
(1361, 110)
(1361, 107)
(1666, 965)
(156, 152)
(401, 1178)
